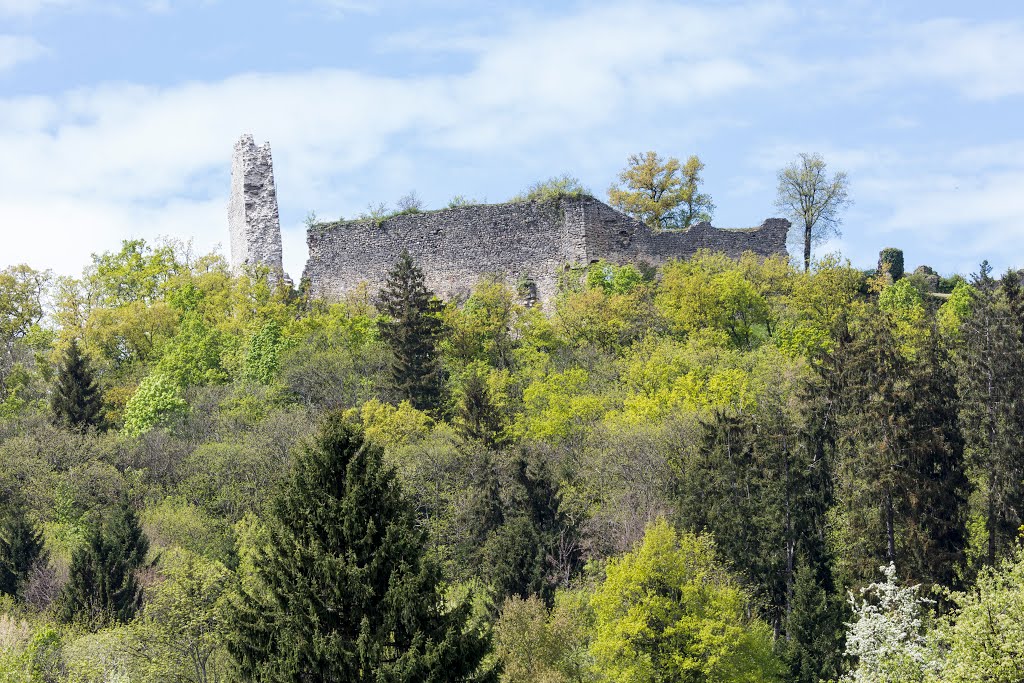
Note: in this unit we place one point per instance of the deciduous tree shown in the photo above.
(661, 192)
(813, 199)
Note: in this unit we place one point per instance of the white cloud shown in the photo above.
(16, 50)
(95, 165)
(983, 61)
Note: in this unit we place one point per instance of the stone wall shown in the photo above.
(517, 242)
(252, 209)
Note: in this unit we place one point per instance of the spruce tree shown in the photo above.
(813, 646)
(412, 328)
(21, 546)
(102, 587)
(76, 399)
(902, 477)
(344, 589)
(476, 416)
(990, 371)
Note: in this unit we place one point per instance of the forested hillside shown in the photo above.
(717, 471)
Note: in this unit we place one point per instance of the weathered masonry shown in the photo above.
(524, 243)
(252, 209)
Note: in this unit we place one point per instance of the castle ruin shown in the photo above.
(527, 244)
(253, 219)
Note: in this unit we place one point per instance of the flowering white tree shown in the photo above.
(888, 638)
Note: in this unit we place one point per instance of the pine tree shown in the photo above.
(102, 587)
(412, 329)
(76, 400)
(21, 546)
(344, 589)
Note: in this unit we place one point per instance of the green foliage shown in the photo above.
(102, 587)
(347, 591)
(535, 646)
(21, 547)
(708, 292)
(813, 646)
(180, 635)
(193, 356)
(412, 328)
(661, 192)
(553, 189)
(890, 260)
(264, 357)
(669, 611)
(612, 279)
(76, 401)
(984, 637)
(156, 401)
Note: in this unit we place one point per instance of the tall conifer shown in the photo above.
(76, 399)
(102, 587)
(21, 546)
(990, 371)
(345, 590)
(412, 329)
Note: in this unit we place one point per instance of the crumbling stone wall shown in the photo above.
(519, 242)
(252, 209)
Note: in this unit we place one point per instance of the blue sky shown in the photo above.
(117, 119)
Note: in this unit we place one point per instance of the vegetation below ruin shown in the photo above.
(723, 470)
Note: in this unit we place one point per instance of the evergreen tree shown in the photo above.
(21, 546)
(76, 400)
(476, 415)
(813, 646)
(412, 328)
(990, 371)
(758, 486)
(901, 475)
(345, 590)
(102, 587)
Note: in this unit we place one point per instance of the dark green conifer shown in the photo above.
(990, 371)
(477, 417)
(102, 587)
(21, 546)
(813, 645)
(902, 476)
(346, 591)
(76, 399)
(412, 328)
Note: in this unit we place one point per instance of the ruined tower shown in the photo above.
(252, 210)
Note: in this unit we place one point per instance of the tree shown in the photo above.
(412, 328)
(990, 369)
(812, 648)
(477, 417)
(813, 199)
(76, 401)
(180, 634)
(888, 639)
(661, 193)
(102, 587)
(21, 547)
(344, 589)
(668, 611)
(984, 637)
(22, 291)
